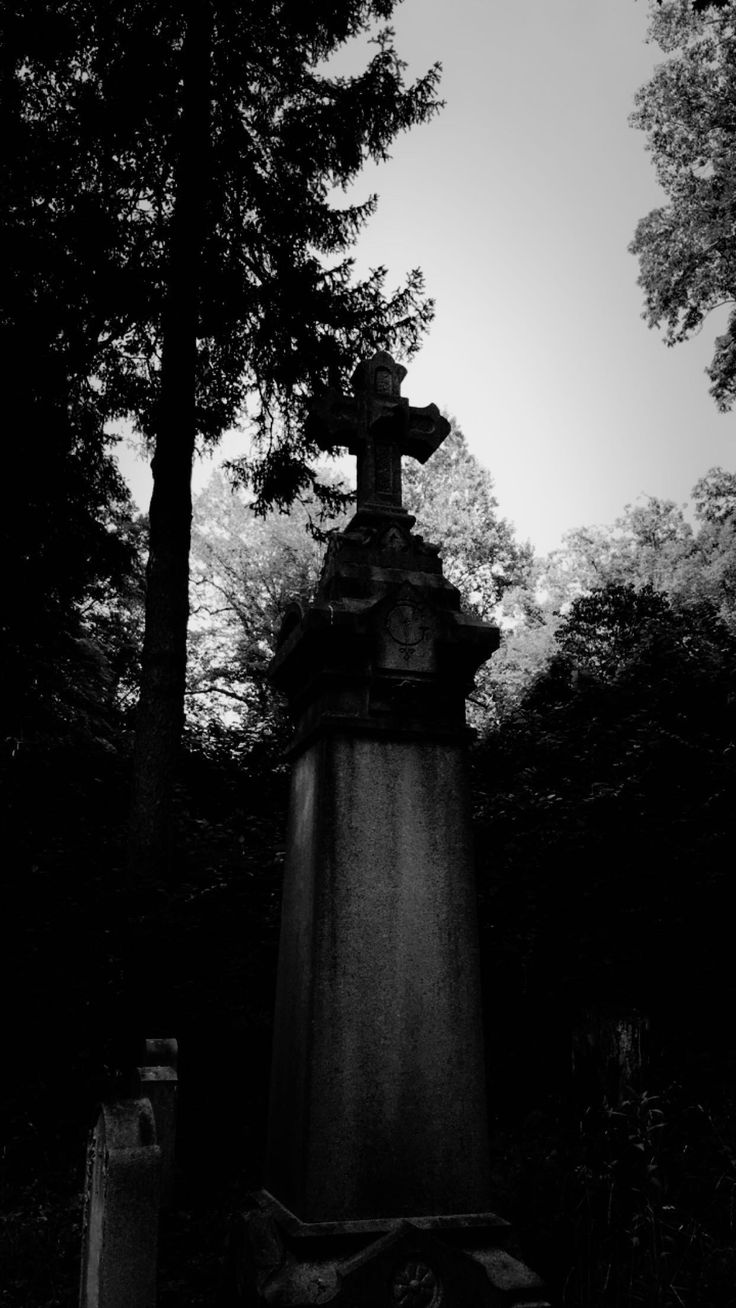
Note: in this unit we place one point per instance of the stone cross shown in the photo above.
(378, 425)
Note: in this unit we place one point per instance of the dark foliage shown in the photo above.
(66, 943)
(607, 821)
(605, 826)
(687, 112)
(177, 257)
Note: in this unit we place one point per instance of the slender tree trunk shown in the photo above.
(163, 671)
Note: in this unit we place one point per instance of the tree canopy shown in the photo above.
(181, 257)
(246, 568)
(91, 184)
(653, 544)
(453, 498)
(686, 248)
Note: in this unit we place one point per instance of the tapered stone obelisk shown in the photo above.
(377, 1139)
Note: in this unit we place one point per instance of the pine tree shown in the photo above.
(188, 186)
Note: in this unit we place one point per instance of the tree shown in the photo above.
(245, 570)
(714, 496)
(651, 543)
(307, 323)
(686, 248)
(69, 542)
(605, 628)
(218, 281)
(715, 509)
(606, 802)
(452, 497)
(67, 538)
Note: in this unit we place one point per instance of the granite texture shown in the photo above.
(121, 1207)
(378, 1093)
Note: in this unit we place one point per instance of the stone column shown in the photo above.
(378, 1098)
(378, 1102)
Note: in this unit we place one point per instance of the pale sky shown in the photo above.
(518, 201)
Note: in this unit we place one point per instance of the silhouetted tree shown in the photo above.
(246, 568)
(192, 257)
(686, 248)
(453, 499)
(606, 800)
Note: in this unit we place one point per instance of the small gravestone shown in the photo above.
(121, 1207)
(157, 1081)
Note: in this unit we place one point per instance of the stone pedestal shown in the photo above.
(441, 1262)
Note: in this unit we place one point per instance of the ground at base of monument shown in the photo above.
(462, 1261)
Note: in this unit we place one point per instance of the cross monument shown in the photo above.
(377, 1161)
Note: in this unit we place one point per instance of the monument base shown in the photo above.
(465, 1261)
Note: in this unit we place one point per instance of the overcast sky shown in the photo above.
(519, 201)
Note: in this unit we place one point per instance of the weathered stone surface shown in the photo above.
(384, 648)
(121, 1206)
(378, 1097)
(162, 1051)
(379, 426)
(377, 1133)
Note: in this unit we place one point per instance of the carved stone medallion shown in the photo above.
(415, 1285)
(404, 624)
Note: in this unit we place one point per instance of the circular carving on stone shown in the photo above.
(404, 624)
(415, 1285)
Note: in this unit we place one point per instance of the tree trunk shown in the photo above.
(161, 704)
(608, 1057)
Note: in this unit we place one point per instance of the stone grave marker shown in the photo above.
(377, 1168)
(121, 1207)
